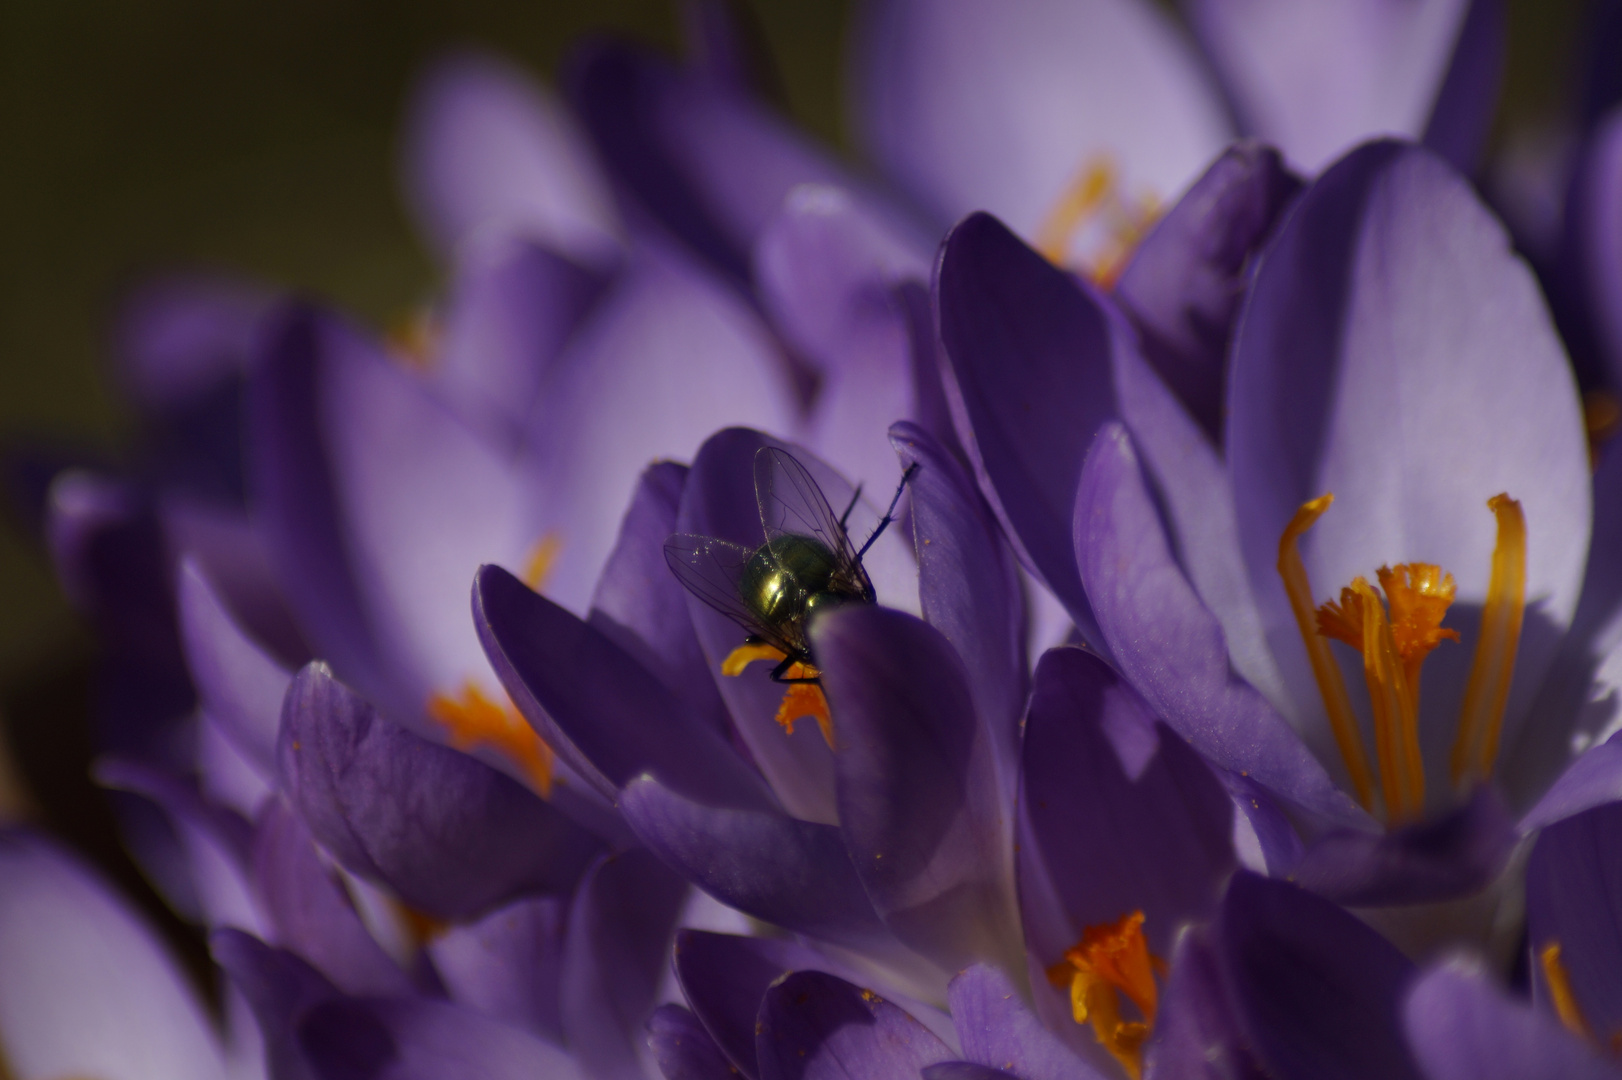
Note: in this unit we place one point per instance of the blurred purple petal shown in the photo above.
(1318, 992)
(1462, 116)
(1573, 886)
(1003, 107)
(927, 822)
(178, 335)
(1395, 351)
(614, 716)
(488, 151)
(1597, 232)
(616, 953)
(86, 987)
(796, 874)
(508, 964)
(1196, 1035)
(279, 988)
(997, 1030)
(1171, 647)
(1591, 780)
(1462, 1028)
(452, 836)
(815, 1026)
(683, 1049)
(1185, 281)
(964, 1070)
(1117, 813)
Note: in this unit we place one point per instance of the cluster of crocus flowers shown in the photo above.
(1122, 766)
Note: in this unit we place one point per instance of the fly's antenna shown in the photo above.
(889, 515)
(857, 494)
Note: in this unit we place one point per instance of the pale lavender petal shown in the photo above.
(815, 1026)
(1396, 352)
(1003, 107)
(86, 987)
(1593, 779)
(488, 150)
(996, 1029)
(508, 965)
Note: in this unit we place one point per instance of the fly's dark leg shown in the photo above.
(857, 494)
(779, 673)
(889, 515)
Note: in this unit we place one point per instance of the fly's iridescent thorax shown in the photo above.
(790, 577)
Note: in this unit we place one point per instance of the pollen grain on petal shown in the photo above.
(471, 719)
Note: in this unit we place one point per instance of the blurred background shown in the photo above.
(262, 137)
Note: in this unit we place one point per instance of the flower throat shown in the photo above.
(1394, 639)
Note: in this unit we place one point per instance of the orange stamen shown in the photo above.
(1342, 721)
(471, 720)
(1481, 717)
(1560, 993)
(542, 557)
(1112, 960)
(1419, 595)
(799, 699)
(1602, 419)
(413, 340)
(1095, 194)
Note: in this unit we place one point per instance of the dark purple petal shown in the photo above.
(450, 835)
(796, 874)
(921, 804)
(87, 988)
(419, 1039)
(1574, 898)
(724, 977)
(487, 151)
(279, 988)
(513, 306)
(240, 684)
(639, 604)
(1395, 351)
(508, 964)
(1440, 858)
(589, 698)
(1318, 993)
(1196, 1035)
(1004, 107)
(815, 1026)
(1183, 286)
(1463, 1028)
(683, 1049)
(1117, 814)
(1597, 214)
(997, 1030)
(616, 952)
(307, 911)
(1030, 359)
(964, 1070)
(968, 585)
(1170, 648)
(1468, 96)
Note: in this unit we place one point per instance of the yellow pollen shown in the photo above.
(1094, 195)
(799, 699)
(1110, 961)
(1560, 994)
(1342, 721)
(1481, 717)
(540, 560)
(471, 720)
(413, 340)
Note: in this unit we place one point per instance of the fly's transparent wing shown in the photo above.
(791, 502)
(712, 570)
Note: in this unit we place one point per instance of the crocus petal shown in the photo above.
(683, 1049)
(815, 1026)
(928, 826)
(279, 988)
(1030, 383)
(1002, 108)
(513, 306)
(1592, 780)
(1184, 283)
(1463, 112)
(1396, 352)
(421, 1039)
(1462, 1028)
(968, 586)
(508, 964)
(1313, 79)
(795, 874)
(488, 150)
(1572, 884)
(308, 912)
(378, 505)
(963, 1070)
(86, 987)
(239, 683)
(593, 701)
(997, 1030)
(642, 607)
(1171, 648)
(179, 335)
(1318, 992)
(669, 356)
(1196, 1035)
(616, 952)
(1117, 813)
(1451, 855)
(450, 835)
(1597, 213)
